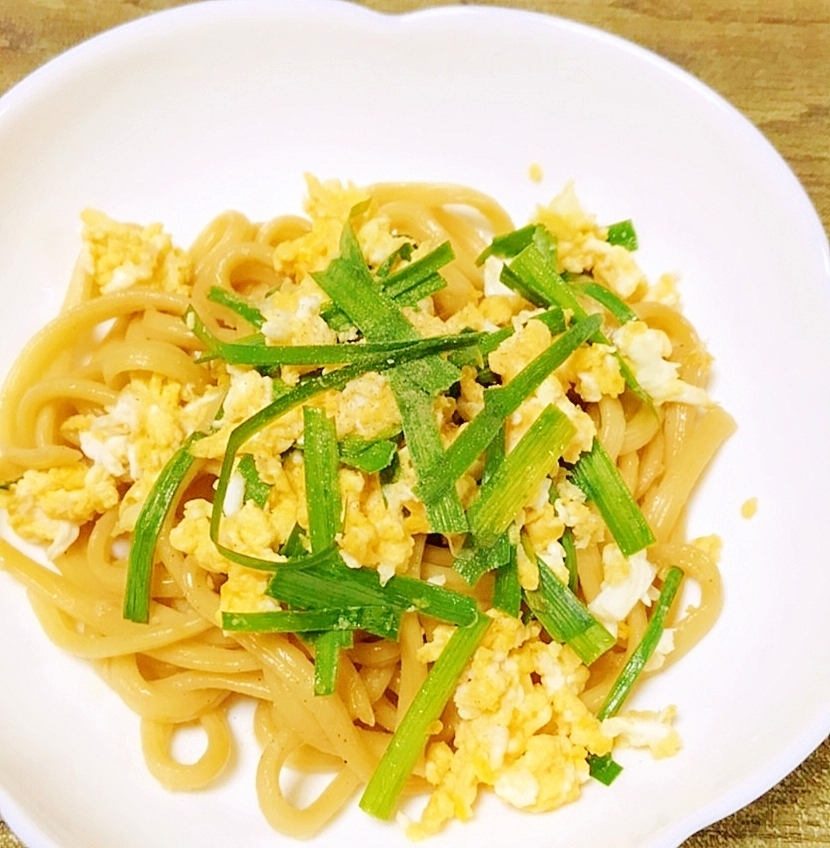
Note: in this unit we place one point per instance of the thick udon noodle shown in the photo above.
(181, 669)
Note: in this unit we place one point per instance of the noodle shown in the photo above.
(101, 399)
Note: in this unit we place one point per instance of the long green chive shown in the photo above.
(507, 591)
(147, 528)
(348, 282)
(615, 305)
(402, 254)
(565, 617)
(623, 233)
(509, 489)
(244, 308)
(533, 274)
(600, 480)
(321, 463)
(410, 738)
(327, 647)
(519, 475)
(254, 351)
(406, 286)
(322, 487)
(383, 621)
(255, 489)
(414, 276)
(333, 584)
(642, 653)
(569, 546)
(304, 391)
(605, 769)
(500, 403)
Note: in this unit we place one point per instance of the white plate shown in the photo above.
(226, 104)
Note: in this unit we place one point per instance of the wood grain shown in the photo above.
(769, 58)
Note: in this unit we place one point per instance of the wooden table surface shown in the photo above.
(770, 58)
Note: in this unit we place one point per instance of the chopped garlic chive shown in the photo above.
(519, 475)
(499, 403)
(642, 653)
(599, 479)
(569, 546)
(333, 584)
(322, 487)
(406, 286)
(414, 275)
(508, 245)
(348, 282)
(615, 305)
(624, 234)
(475, 560)
(552, 318)
(605, 769)
(147, 528)
(410, 738)
(564, 617)
(507, 591)
(294, 546)
(255, 489)
(402, 254)
(244, 308)
(369, 455)
(533, 274)
(379, 620)
(254, 351)
(327, 647)
(305, 390)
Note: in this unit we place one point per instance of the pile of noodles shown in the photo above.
(181, 668)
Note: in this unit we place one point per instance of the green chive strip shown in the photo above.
(605, 769)
(348, 282)
(257, 353)
(369, 455)
(552, 318)
(333, 584)
(305, 390)
(569, 546)
(255, 489)
(322, 487)
(642, 653)
(147, 529)
(410, 738)
(244, 308)
(565, 618)
(380, 620)
(417, 272)
(327, 647)
(321, 464)
(615, 305)
(520, 474)
(402, 254)
(624, 234)
(507, 591)
(509, 244)
(500, 403)
(533, 274)
(599, 479)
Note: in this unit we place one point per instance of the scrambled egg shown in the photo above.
(117, 256)
(520, 728)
